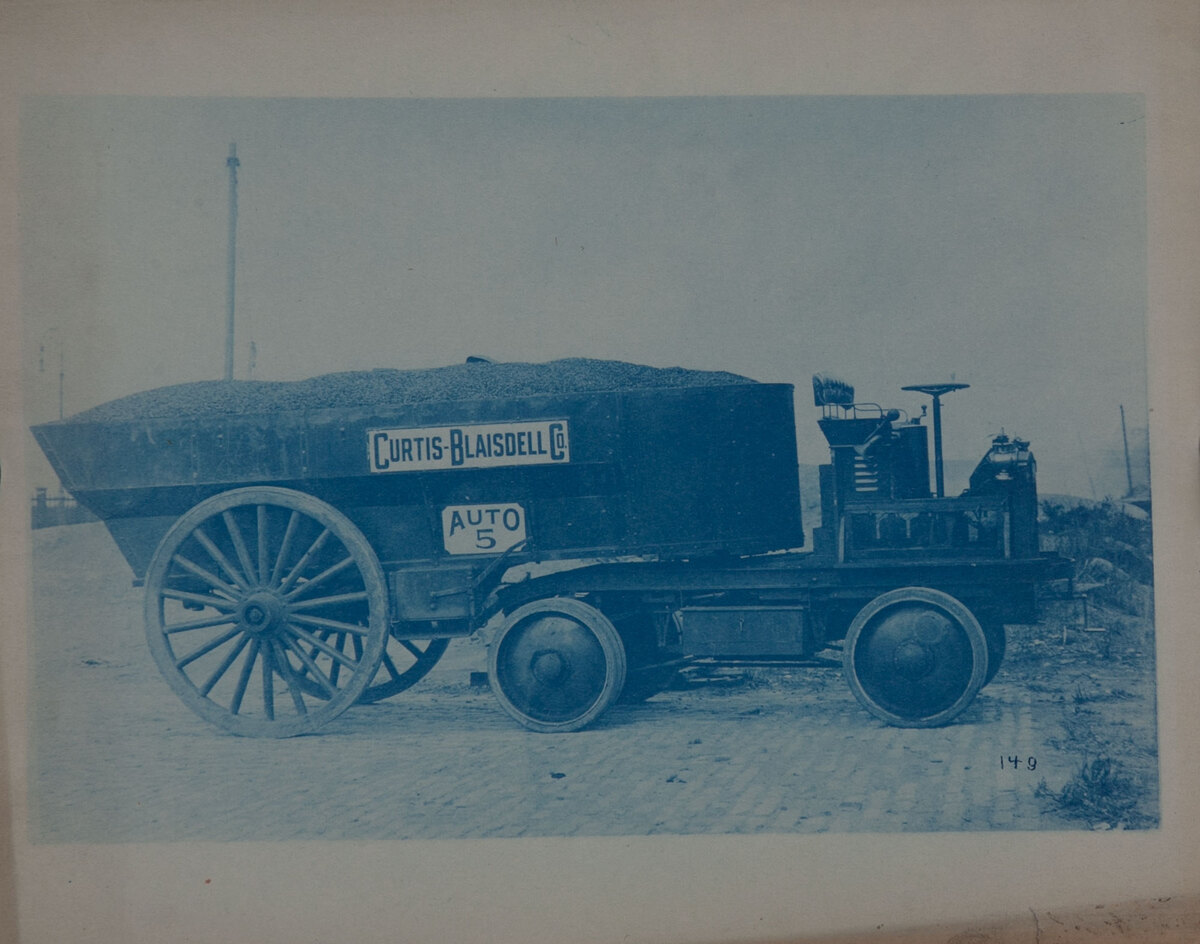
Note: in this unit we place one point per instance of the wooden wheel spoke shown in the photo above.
(412, 647)
(336, 654)
(268, 681)
(263, 542)
(207, 647)
(323, 635)
(224, 666)
(320, 578)
(308, 555)
(243, 681)
(217, 603)
(284, 546)
(326, 682)
(208, 577)
(328, 601)
(219, 556)
(197, 624)
(391, 667)
(357, 646)
(336, 668)
(336, 625)
(289, 677)
(239, 545)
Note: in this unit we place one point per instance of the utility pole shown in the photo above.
(232, 163)
(1125, 440)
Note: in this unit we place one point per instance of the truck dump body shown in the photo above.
(680, 463)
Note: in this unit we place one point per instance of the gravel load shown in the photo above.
(475, 380)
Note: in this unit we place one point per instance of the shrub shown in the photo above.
(1102, 793)
(1112, 550)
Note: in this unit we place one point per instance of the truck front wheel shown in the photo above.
(915, 657)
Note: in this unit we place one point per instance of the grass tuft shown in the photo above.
(1103, 794)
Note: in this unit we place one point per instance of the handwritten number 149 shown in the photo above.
(1017, 763)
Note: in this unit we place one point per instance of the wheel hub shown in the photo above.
(549, 667)
(912, 660)
(261, 613)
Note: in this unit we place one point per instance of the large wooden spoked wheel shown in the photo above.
(266, 611)
(915, 657)
(556, 664)
(405, 662)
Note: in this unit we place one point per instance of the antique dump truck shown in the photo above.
(308, 545)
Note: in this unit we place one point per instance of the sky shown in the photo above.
(998, 241)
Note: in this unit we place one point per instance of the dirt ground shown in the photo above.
(1063, 738)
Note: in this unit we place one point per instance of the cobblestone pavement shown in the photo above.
(116, 757)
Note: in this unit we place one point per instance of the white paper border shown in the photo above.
(654, 889)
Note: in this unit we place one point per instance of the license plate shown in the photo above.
(482, 529)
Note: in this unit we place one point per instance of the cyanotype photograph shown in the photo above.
(543, 467)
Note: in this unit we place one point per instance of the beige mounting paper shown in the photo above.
(642, 888)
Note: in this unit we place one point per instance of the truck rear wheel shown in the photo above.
(997, 642)
(644, 682)
(648, 668)
(266, 611)
(915, 657)
(556, 664)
